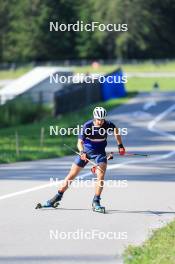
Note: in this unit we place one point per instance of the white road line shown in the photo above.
(149, 104)
(25, 191)
(151, 127)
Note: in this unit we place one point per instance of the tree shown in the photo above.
(25, 35)
(4, 25)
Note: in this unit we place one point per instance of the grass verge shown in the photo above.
(129, 68)
(143, 84)
(159, 249)
(146, 66)
(30, 147)
(14, 73)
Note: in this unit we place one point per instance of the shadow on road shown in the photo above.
(53, 259)
(114, 211)
(140, 212)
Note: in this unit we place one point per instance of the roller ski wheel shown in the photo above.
(39, 205)
(98, 208)
(55, 205)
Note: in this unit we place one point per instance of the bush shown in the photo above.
(22, 111)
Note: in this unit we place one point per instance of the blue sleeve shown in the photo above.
(82, 134)
(111, 125)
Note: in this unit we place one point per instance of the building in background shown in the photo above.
(37, 84)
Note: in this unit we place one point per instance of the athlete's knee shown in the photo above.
(74, 171)
(101, 169)
(100, 182)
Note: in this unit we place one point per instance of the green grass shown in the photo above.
(13, 74)
(139, 84)
(29, 135)
(138, 67)
(147, 66)
(145, 84)
(133, 84)
(159, 249)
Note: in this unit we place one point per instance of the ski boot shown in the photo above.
(96, 207)
(52, 203)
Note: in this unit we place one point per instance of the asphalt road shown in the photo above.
(139, 195)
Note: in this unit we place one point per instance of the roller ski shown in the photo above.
(52, 203)
(46, 205)
(96, 207)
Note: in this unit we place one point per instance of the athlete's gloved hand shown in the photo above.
(83, 155)
(93, 169)
(121, 149)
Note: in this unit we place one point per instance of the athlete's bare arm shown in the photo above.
(117, 136)
(80, 145)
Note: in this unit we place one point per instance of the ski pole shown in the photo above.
(137, 154)
(133, 154)
(76, 152)
(109, 157)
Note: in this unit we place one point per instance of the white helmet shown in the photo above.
(99, 113)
